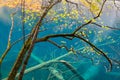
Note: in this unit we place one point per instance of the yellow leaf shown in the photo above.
(93, 6)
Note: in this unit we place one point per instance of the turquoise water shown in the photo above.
(44, 52)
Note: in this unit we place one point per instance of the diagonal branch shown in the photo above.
(91, 19)
(105, 26)
(98, 50)
(59, 46)
(72, 3)
(9, 38)
(79, 37)
(33, 37)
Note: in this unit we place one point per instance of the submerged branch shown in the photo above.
(56, 60)
(9, 39)
(72, 69)
(29, 44)
(79, 37)
(32, 39)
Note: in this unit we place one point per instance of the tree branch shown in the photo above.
(9, 39)
(105, 26)
(62, 46)
(91, 19)
(79, 37)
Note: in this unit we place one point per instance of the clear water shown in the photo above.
(45, 51)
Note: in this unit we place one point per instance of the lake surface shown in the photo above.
(88, 65)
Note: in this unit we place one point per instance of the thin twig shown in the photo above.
(91, 19)
(105, 26)
(59, 46)
(9, 39)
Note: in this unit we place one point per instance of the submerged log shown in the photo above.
(56, 60)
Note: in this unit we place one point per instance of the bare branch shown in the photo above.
(9, 38)
(91, 19)
(53, 36)
(72, 69)
(72, 3)
(62, 46)
(29, 46)
(77, 36)
(105, 26)
(98, 50)
(23, 16)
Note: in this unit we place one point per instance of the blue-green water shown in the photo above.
(45, 51)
